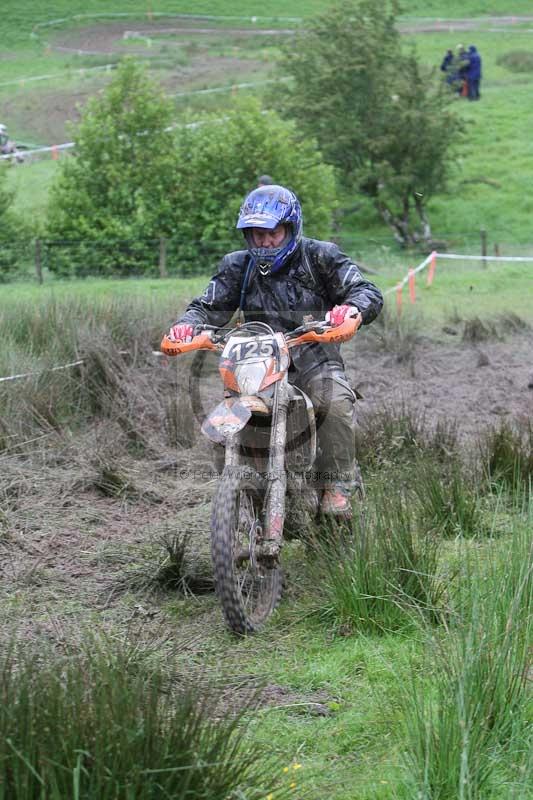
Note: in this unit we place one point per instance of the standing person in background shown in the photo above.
(447, 62)
(449, 67)
(473, 73)
(461, 69)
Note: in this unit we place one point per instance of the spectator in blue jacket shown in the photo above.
(473, 73)
(447, 61)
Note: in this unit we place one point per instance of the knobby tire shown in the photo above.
(248, 591)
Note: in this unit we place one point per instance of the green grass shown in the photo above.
(481, 703)
(458, 292)
(31, 184)
(337, 694)
(489, 183)
(341, 709)
(162, 743)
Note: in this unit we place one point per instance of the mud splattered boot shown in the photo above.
(337, 499)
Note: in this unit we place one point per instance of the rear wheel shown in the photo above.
(248, 585)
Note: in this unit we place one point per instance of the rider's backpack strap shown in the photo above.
(244, 286)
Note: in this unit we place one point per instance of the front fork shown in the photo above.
(276, 477)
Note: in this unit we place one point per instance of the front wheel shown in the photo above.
(248, 587)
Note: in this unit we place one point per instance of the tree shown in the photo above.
(219, 161)
(111, 198)
(135, 177)
(377, 116)
(14, 234)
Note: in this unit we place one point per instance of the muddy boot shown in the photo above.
(337, 500)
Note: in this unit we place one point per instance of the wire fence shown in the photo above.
(44, 259)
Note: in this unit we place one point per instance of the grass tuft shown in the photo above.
(175, 571)
(448, 498)
(393, 435)
(382, 573)
(473, 707)
(507, 456)
(88, 726)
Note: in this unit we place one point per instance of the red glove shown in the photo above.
(339, 314)
(182, 332)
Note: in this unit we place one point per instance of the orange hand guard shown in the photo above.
(333, 336)
(200, 342)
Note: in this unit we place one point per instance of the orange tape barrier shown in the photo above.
(411, 282)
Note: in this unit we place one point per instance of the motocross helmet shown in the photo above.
(267, 207)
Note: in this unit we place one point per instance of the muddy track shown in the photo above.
(102, 40)
(71, 555)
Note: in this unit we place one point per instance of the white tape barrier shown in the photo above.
(34, 374)
(230, 87)
(420, 267)
(431, 260)
(163, 14)
(459, 257)
(23, 375)
(55, 148)
(109, 67)
(53, 76)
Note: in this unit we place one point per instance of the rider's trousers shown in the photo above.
(334, 402)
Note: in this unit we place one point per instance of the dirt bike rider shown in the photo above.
(280, 277)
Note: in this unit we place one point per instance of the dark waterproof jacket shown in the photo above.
(446, 62)
(317, 277)
(473, 72)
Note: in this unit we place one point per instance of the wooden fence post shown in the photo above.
(483, 234)
(38, 263)
(163, 257)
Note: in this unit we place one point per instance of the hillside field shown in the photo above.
(489, 184)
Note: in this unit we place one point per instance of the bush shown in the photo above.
(136, 177)
(14, 234)
(219, 162)
(376, 114)
(118, 187)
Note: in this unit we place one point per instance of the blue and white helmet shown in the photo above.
(267, 207)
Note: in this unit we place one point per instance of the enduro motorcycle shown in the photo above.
(268, 428)
(9, 148)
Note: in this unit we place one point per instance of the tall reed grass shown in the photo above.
(107, 336)
(382, 574)
(449, 497)
(98, 727)
(507, 456)
(394, 435)
(469, 723)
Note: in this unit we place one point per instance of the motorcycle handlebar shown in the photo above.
(341, 333)
(203, 341)
(200, 342)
